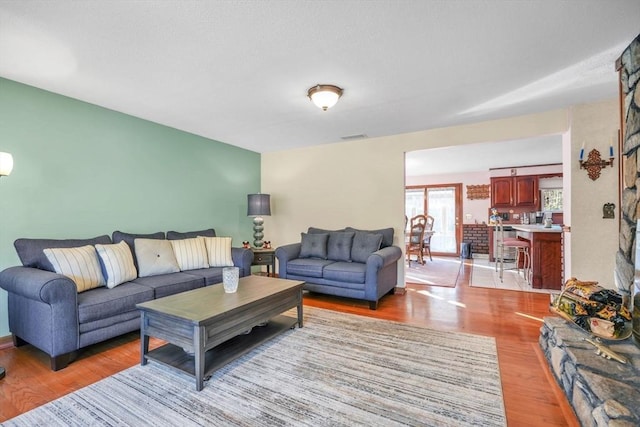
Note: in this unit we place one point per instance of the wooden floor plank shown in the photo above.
(532, 398)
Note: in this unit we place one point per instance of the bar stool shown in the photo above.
(522, 250)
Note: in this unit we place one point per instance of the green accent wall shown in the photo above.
(81, 171)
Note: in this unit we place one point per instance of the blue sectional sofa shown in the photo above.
(47, 309)
(361, 264)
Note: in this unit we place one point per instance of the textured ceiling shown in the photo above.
(238, 71)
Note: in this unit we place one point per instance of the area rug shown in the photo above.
(442, 271)
(484, 275)
(339, 370)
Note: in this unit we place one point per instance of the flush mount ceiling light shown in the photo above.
(324, 96)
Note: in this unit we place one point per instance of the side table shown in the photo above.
(265, 257)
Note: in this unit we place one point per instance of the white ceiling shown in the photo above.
(543, 150)
(238, 71)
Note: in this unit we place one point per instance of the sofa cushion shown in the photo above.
(364, 244)
(352, 272)
(129, 238)
(210, 275)
(155, 257)
(101, 303)
(218, 251)
(310, 267)
(190, 253)
(31, 252)
(314, 245)
(169, 284)
(339, 245)
(178, 235)
(387, 235)
(79, 264)
(116, 262)
(314, 230)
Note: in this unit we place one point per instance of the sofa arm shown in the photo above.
(285, 254)
(43, 309)
(243, 258)
(382, 272)
(39, 285)
(383, 257)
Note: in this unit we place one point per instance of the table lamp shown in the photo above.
(258, 205)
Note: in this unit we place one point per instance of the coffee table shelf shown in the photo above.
(174, 356)
(204, 328)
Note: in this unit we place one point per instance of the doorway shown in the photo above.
(444, 203)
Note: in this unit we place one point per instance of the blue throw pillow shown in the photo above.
(314, 245)
(387, 235)
(339, 246)
(364, 244)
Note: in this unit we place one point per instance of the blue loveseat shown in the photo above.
(361, 264)
(47, 311)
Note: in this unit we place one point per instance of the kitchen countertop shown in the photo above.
(537, 228)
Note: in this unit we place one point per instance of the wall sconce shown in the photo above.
(594, 163)
(257, 206)
(6, 164)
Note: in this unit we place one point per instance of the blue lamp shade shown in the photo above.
(258, 204)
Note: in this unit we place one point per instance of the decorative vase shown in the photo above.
(230, 277)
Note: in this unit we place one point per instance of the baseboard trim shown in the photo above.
(399, 291)
(6, 342)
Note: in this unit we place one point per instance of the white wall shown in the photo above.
(567, 191)
(361, 183)
(594, 240)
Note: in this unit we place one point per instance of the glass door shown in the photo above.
(444, 204)
(441, 205)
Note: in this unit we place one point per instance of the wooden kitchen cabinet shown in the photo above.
(545, 250)
(502, 192)
(515, 192)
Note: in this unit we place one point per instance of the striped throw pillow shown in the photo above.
(190, 253)
(117, 263)
(78, 264)
(219, 251)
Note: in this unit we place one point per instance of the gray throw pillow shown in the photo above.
(129, 238)
(339, 246)
(314, 245)
(364, 244)
(387, 234)
(155, 257)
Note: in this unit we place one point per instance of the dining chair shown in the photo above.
(415, 242)
(521, 247)
(428, 233)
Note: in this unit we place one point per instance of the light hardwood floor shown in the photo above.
(532, 398)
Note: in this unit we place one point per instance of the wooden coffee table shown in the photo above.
(205, 328)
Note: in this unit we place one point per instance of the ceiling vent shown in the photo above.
(350, 137)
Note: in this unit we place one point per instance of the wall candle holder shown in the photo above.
(595, 164)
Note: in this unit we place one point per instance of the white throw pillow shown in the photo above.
(79, 264)
(117, 263)
(155, 257)
(191, 254)
(219, 251)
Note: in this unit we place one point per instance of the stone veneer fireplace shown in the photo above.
(630, 110)
(604, 392)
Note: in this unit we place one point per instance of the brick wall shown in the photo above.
(478, 236)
